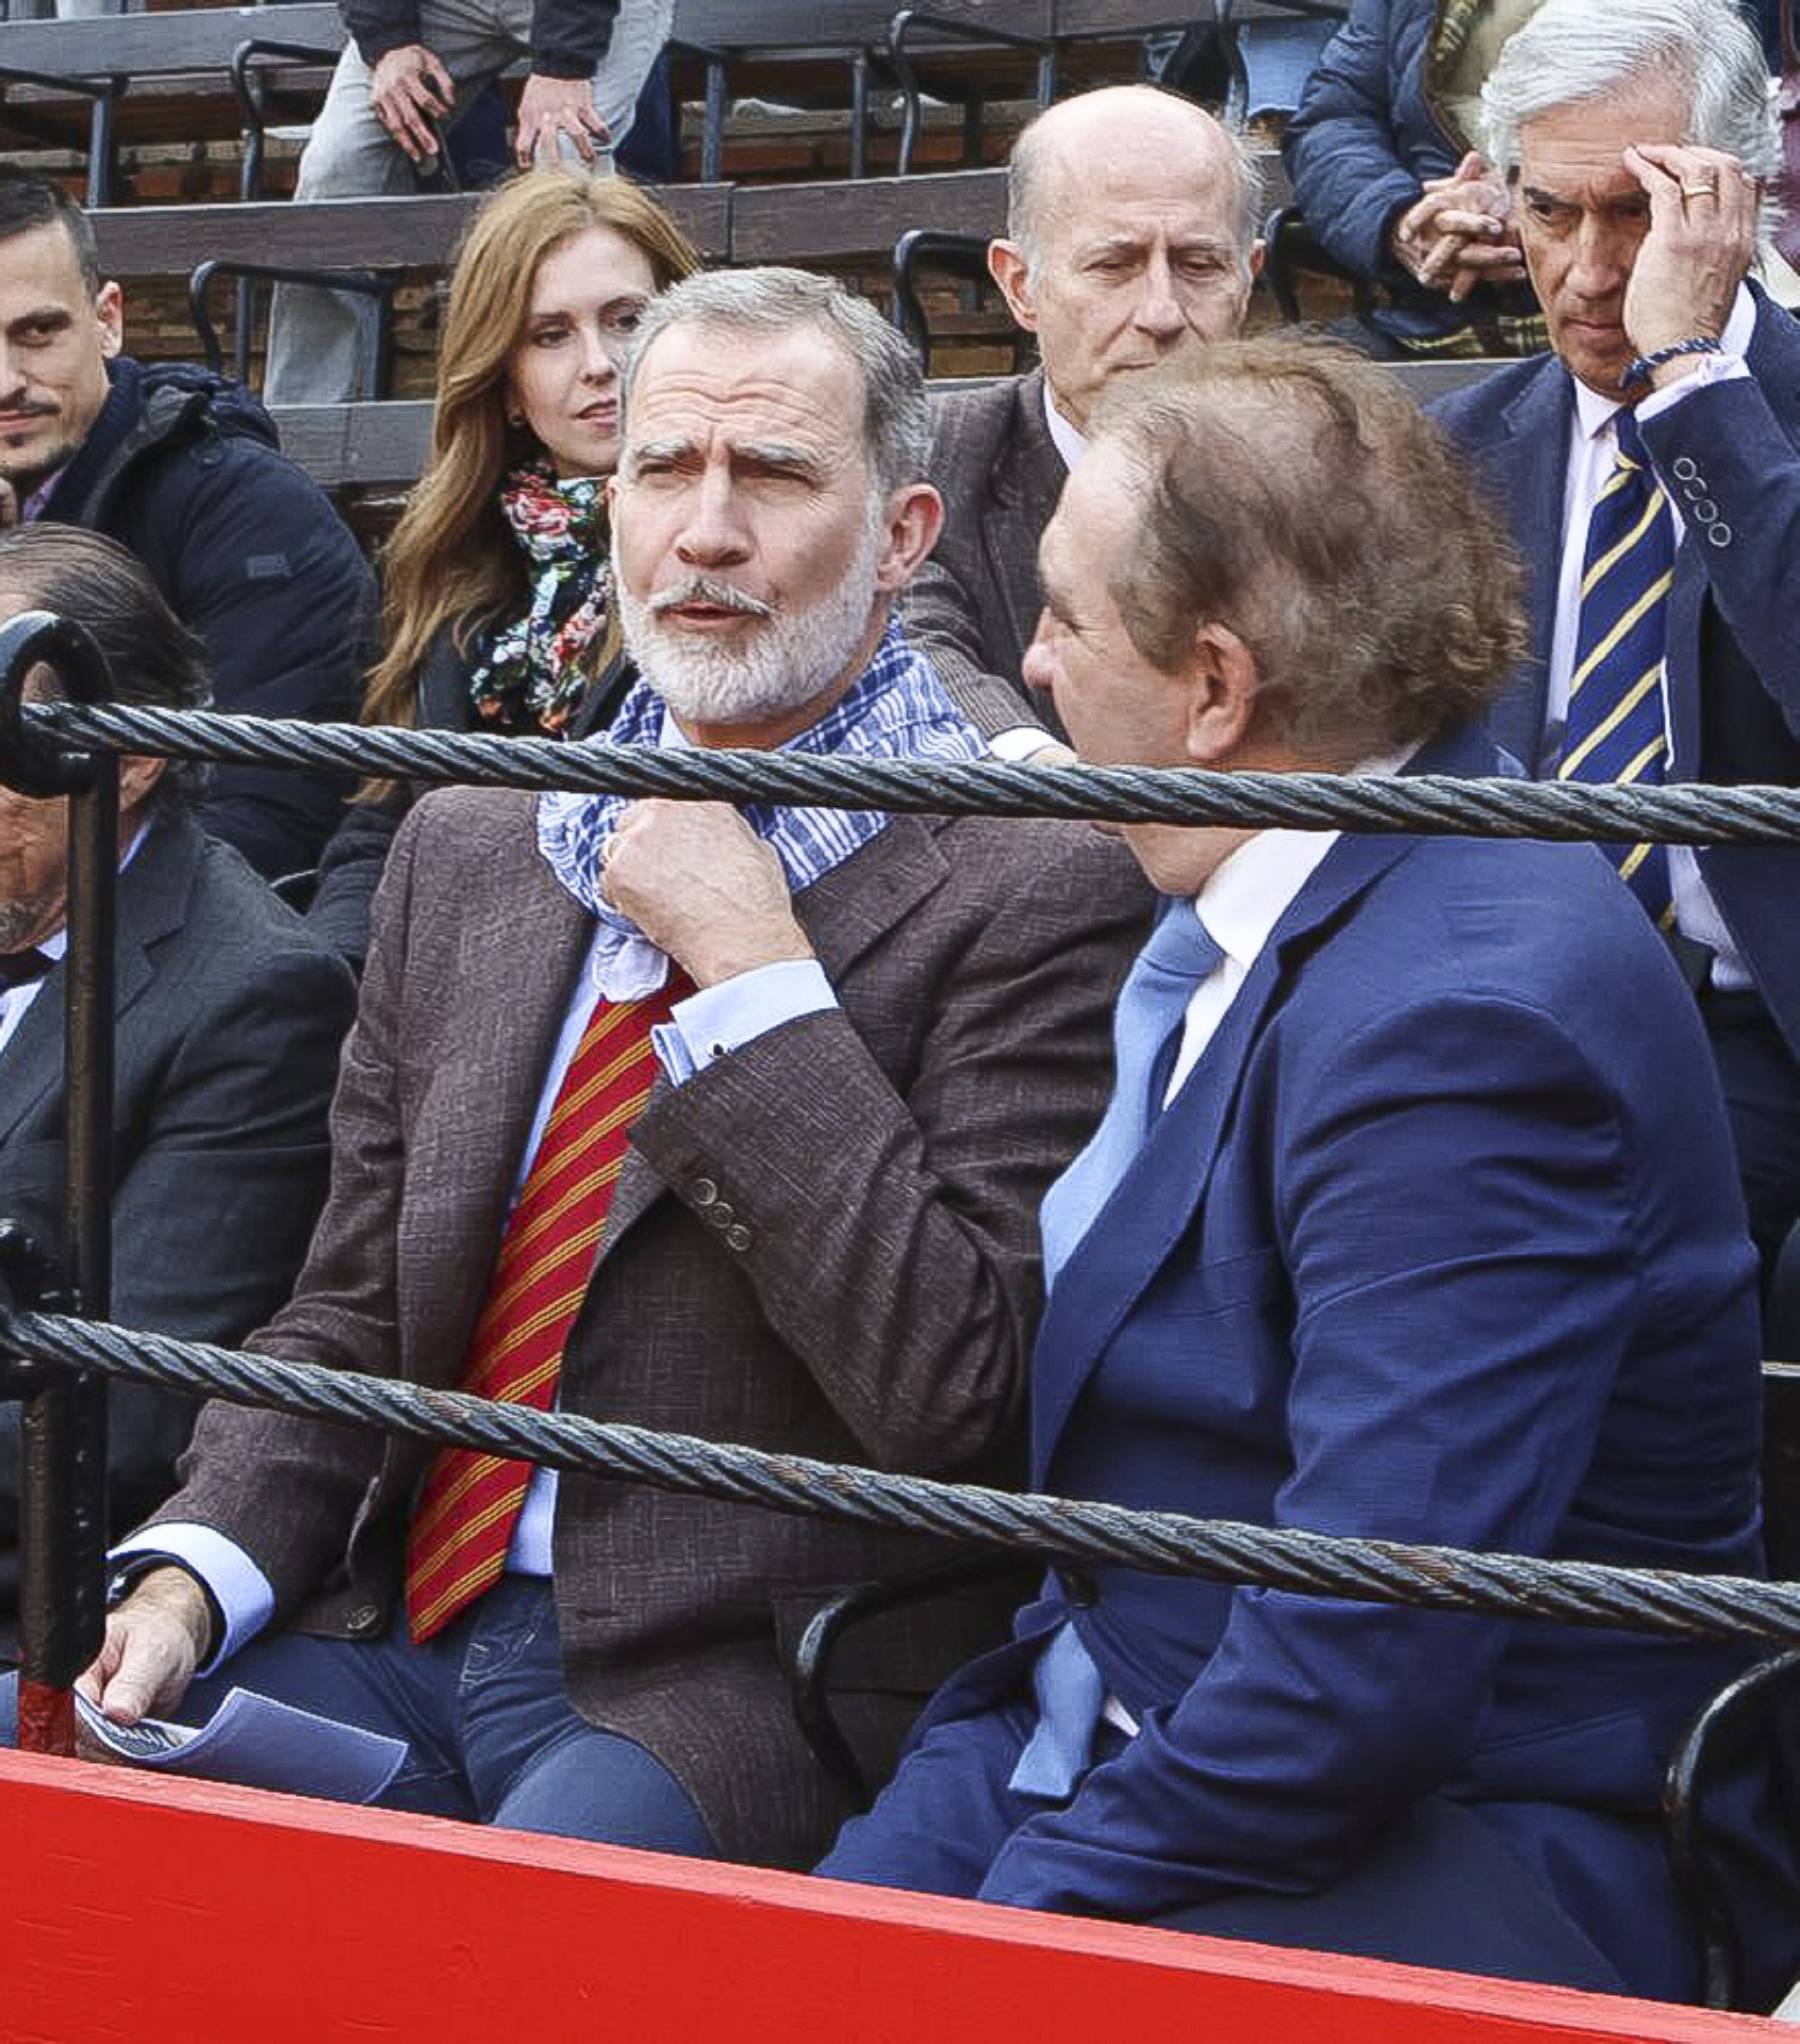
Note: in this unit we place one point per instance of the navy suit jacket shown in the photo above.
(1732, 450)
(1427, 1248)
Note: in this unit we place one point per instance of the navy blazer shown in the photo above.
(1427, 1248)
(1730, 455)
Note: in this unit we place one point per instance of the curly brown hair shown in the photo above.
(1292, 491)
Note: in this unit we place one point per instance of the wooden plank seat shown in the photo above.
(384, 445)
(167, 75)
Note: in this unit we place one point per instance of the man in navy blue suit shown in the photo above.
(1636, 137)
(1414, 1215)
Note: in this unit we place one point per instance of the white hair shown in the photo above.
(1572, 51)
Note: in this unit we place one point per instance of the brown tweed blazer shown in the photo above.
(973, 607)
(825, 1242)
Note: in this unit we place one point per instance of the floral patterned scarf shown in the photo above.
(530, 674)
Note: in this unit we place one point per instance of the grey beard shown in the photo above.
(788, 660)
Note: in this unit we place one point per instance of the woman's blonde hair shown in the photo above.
(451, 559)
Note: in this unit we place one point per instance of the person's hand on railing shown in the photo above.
(154, 1641)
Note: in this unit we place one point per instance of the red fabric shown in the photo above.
(471, 1502)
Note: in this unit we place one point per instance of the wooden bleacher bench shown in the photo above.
(168, 75)
(384, 446)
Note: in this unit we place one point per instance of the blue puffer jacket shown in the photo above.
(1359, 148)
(185, 469)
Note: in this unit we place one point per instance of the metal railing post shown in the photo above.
(62, 1499)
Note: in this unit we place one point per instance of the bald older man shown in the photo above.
(1130, 234)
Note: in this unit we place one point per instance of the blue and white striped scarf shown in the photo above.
(897, 709)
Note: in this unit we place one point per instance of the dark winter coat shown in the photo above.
(186, 469)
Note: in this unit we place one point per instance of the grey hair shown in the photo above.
(896, 414)
(1025, 182)
(156, 661)
(1572, 51)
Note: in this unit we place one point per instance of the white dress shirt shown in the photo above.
(1592, 447)
(706, 1026)
(16, 1001)
(1239, 906)
(1020, 741)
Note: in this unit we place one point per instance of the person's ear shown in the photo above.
(1222, 690)
(137, 777)
(1009, 269)
(911, 523)
(109, 313)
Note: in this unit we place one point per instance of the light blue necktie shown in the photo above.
(1615, 729)
(1146, 1036)
(1070, 1691)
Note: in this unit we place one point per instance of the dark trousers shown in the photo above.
(490, 1735)
(1445, 1885)
(1761, 1078)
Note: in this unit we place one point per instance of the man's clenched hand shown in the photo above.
(703, 887)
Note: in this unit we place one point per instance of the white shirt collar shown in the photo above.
(1594, 413)
(1245, 898)
(53, 947)
(1070, 443)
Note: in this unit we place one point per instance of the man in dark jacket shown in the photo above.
(184, 469)
(1384, 174)
(229, 1016)
(412, 69)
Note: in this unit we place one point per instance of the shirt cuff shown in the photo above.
(232, 1580)
(1708, 369)
(1018, 744)
(719, 1019)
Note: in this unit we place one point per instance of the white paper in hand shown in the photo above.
(257, 1742)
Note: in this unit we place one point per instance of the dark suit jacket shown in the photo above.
(230, 1021)
(1428, 1248)
(1734, 660)
(825, 1242)
(974, 605)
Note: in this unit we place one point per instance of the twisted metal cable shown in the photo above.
(1055, 1529)
(1685, 814)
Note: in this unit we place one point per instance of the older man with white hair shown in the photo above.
(1652, 475)
(731, 1125)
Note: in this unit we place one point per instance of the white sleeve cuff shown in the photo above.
(234, 1582)
(1018, 744)
(719, 1019)
(1707, 369)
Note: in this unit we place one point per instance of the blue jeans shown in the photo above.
(490, 1735)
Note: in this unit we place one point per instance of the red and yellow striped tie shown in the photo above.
(471, 1502)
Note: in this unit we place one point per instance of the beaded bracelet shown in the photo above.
(1646, 365)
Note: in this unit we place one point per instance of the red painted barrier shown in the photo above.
(151, 1910)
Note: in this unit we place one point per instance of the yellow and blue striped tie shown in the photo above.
(1616, 727)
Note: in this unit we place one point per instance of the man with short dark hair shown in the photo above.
(1131, 236)
(727, 1127)
(184, 469)
(1390, 1230)
(1651, 472)
(230, 1014)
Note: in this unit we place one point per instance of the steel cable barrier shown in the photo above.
(53, 1324)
